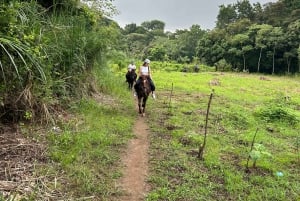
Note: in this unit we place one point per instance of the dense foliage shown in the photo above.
(47, 53)
(48, 48)
(254, 38)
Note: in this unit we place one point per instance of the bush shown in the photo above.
(278, 110)
(222, 65)
(48, 56)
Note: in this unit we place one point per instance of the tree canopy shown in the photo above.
(249, 37)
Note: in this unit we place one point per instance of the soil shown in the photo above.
(135, 161)
(19, 156)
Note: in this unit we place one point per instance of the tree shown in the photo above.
(188, 40)
(261, 40)
(227, 15)
(130, 28)
(289, 55)
(136, 43)
(212, 46)
(275, 40)
(244, 10)
(275, 13)
(240, 41)
(255, 36)
(292, 43)
(292, 4)
(158, 48)
(157, 53)
(240, 26)
(105, 7)
(154, 25)
(258, 13)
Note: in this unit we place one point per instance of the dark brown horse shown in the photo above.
(131, 78)
(143, 91)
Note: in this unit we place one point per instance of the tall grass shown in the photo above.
(49, 54)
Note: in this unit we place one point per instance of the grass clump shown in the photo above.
(278, 111)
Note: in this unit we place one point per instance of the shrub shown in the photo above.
(222, 65)
(278, 110)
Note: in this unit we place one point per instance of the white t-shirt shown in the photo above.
(131, 67)
(144, 70)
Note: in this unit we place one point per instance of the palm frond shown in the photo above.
(2, 70)
(11, 59)
(23, 52)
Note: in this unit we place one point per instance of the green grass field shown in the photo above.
(241, 104)
(88, 150)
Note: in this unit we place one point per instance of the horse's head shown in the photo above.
(145, 84)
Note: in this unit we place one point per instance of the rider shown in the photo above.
(131, 68)
(145, 70)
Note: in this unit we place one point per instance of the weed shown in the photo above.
(258, 152)
(278, 110)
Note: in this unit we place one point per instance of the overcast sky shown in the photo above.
(176, 14)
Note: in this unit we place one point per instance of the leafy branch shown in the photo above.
(257, 151)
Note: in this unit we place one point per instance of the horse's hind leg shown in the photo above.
(140, 106)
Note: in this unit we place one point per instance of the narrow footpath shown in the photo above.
(135, 161)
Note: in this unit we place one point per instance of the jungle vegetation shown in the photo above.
(49, 50)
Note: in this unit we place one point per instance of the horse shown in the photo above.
(131, 78)
(143, 91)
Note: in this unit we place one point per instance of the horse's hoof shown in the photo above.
(143, 114)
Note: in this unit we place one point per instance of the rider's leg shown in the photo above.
(152, 87)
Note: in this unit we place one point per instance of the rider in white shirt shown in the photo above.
(145, 70)
(131, 67)
(131, 72)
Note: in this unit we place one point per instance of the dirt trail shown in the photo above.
(136, 164)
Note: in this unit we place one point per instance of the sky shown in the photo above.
(176, 14)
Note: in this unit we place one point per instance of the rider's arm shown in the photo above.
(149, 71)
